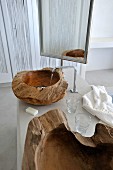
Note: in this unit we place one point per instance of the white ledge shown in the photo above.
(101, 42)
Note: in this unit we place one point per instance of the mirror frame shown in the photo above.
(68, 58)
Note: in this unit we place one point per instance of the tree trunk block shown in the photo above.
(50, 145)
(37, 87)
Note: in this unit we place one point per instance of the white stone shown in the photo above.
(32, 111)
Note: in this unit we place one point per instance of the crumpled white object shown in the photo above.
(99, 103)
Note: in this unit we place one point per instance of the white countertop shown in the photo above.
(24, 118)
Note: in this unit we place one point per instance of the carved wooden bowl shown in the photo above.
(37, 87)
(51, 145)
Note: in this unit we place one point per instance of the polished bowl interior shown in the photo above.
(41, 78)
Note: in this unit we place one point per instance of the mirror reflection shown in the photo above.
(64, 28)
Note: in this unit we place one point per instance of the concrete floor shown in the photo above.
(8, 129)
(8, 118)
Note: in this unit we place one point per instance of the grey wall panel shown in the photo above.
(19, 25)
(3, 66)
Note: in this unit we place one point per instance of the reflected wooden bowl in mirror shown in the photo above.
(75, 53)
(40, 87)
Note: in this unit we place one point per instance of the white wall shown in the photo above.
(100, 59)
(102, 31)
(102, 19)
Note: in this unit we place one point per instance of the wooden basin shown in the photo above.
(51, 145)
(37, 87)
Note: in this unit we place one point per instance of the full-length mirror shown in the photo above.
(65, 28)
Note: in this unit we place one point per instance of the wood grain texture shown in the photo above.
(50, 145)
(36, 87)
